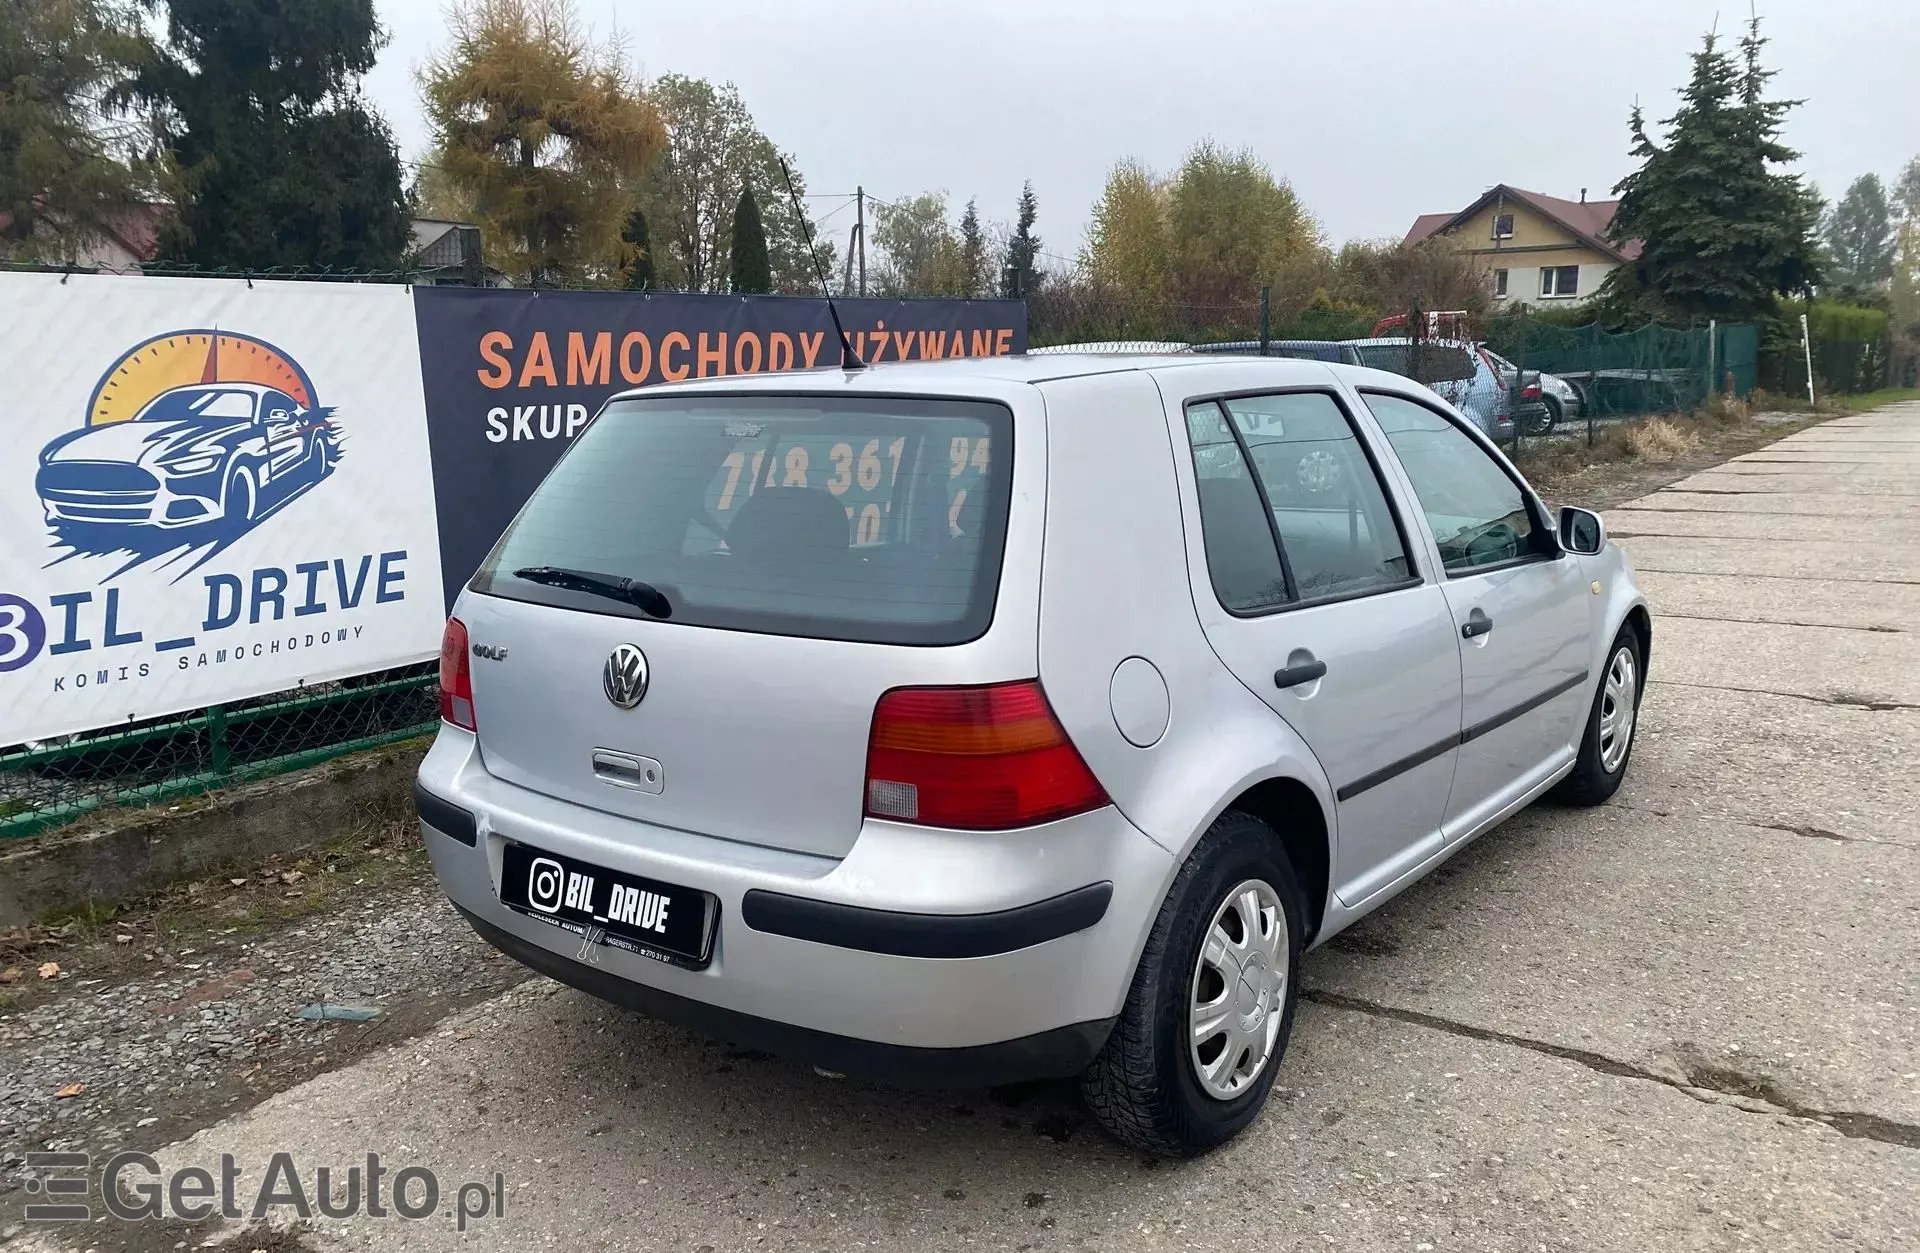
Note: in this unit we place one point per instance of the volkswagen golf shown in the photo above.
(964, 722)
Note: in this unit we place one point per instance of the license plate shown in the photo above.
(656, 920)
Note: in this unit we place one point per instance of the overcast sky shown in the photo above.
(1376, 110)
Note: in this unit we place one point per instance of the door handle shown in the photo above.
(1477, 624)
(1294, 676)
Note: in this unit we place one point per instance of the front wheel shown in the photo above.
(1611, 724)
(241, 500)
(1207, 1020)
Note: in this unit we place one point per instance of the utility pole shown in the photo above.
(860, 229)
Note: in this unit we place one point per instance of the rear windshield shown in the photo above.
(877, 519)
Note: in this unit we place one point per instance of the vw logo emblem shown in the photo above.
(624, 679)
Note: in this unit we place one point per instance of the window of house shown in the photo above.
(1503, 226)
(1560, 280)
(1499, 282)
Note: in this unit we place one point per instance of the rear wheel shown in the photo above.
(1611, 724)
(1208, 1017)
(1543, 422)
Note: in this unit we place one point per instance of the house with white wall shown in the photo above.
(1536, 249)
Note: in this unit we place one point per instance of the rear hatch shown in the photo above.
(809, 553)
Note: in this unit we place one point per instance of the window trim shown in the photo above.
(1536, 508)
(993, 556)
(1549, 276)
(1416, 575)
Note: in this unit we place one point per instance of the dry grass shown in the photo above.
(1662, 439)
(1724, 409)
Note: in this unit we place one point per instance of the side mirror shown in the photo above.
(1582, 531)
(279, 415)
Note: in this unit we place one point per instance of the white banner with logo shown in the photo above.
(209, 490)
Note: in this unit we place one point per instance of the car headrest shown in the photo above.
(790, 523)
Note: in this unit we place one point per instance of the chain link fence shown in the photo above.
(165, 760)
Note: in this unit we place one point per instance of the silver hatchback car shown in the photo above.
(966, 722)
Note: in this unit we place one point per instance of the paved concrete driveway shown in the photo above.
(1688, 1020)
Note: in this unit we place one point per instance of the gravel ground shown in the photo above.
(176, 1025)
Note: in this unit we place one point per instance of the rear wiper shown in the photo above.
(644, 596)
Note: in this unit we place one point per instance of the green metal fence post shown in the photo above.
(1266, 319)
(217, 746)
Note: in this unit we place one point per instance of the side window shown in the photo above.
(1336, 530)
(277, 402)
(1446, 363)
(1478, 513)
(1241, 558)
(228, 405)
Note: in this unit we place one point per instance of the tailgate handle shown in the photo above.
(640, 774)
(1294, 676)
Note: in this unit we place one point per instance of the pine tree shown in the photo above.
(62, 183)
(277, 159)
(749, 268)
(1722, 230)
(973, 253)
(1018, 275)
(1860, 237)
(637, 275)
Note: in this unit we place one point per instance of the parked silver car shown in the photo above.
(976, 721)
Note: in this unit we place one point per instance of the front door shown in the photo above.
(1311, 599)
(286, 441)
(1517, 602)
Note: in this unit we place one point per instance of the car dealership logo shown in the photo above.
(190, 440)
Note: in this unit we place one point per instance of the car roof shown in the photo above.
(1401, 341)
(957, 376)
(255, 388)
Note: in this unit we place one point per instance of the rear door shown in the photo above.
(1311, 598)
(1519, 605)
(814, 552)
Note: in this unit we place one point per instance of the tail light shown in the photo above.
(975, 758)
(1530, 392)
(456, 677)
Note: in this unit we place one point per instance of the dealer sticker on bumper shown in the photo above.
(607, 907)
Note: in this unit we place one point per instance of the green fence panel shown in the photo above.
(1739, 354)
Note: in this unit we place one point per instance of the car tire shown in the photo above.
(240, 480)
(1607, 746)
(1550, 417)
(1146, 1086)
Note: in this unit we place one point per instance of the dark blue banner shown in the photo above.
(512, 376)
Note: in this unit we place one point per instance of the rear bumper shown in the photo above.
(1056, 1053)
(1002, 955)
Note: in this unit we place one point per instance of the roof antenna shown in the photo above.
(849, 359)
